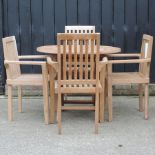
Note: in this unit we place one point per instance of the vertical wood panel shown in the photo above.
(142, 19)
(25, 31)
(2, 76)
(37, 24)
(60, 16)
(107, 22)
(48, 22)
(152, 32)
(83, 12)
(37, 27)
(119, 28)
(130, 32)
(13, 20)
(95, 14)
(71, 6)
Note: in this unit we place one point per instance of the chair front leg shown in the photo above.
(141, 98)
(110, 99)
(146, 101)
(96, 111)
(45, 93)
(10, 103)
(59, 111)
(19, 99)
(52, 95)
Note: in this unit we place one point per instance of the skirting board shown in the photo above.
(117, 90)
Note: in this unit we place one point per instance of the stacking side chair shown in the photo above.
(15, 78)
(84, 81)
(141, 77)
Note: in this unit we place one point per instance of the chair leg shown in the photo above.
(141, 98)
(19, 99)
(56, 102)
(96, 113)
(46, 106)
(59, 110)
(106, 96)
(45, 94)
(52, 102)
(101, 109)
(110, 100)
(146, 102)
(10, 104)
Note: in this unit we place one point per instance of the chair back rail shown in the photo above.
(79, 29)
(146, 52)
(11, 53)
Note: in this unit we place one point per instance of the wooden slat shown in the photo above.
(78, 81)
(86, 59)
(75, 59)
(78, 108)
(81, 59)
(64, 60)
(70, 60)
(92, 60)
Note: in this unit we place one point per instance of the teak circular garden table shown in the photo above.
(52, 51)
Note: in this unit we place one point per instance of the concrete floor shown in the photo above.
(128, 134)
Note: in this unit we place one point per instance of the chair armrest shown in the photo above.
(129, 61)
(103, 63)
(52, 63)
(7, 62)
(32, 56)
(124, 55)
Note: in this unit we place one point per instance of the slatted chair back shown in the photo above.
(79, 29)
(146, 52)
(78, 62)
(11, 53)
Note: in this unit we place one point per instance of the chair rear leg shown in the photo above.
(10, 104)
(146, 101)
(59, 110)
(96, 113)
(101, 109)
(110, 100)
(19, 99)
(141, 98)
(52, 102)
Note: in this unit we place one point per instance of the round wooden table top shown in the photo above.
(52, 49)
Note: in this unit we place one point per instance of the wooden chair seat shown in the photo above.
(128, 78)
(27, 79)
(89, 88)
(80, 88)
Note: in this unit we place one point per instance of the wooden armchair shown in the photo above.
(77, 78)
(16, 78)
(141, 77)
(79, 29)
